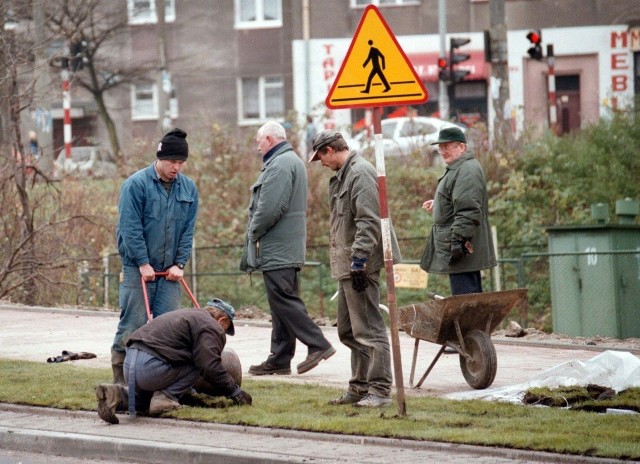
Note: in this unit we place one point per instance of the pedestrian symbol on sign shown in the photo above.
(375, 57)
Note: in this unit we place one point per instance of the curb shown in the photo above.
(80, 445)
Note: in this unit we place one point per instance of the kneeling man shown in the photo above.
(167, 356)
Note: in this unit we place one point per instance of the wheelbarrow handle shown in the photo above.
(164, 274)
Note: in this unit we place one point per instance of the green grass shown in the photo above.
(304, 407)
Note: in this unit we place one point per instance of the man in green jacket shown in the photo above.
(275, 244)
(356, 255)
(460, 243)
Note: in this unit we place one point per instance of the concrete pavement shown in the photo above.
(37, 333)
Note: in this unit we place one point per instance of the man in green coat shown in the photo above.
(460, 242)
(275, 244)
(357, 256)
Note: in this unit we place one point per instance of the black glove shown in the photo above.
(359, 280)
(458, 251)
(242, 398)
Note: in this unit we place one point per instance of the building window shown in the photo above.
(363, 3)
(258, 13)
(144, 11)
(260, 99)
(144, 102)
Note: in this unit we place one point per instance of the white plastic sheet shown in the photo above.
(618, 370)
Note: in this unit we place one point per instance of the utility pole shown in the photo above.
(500, 99)
(443, 95)
(43, 90)
(306, 36)
(163, 82)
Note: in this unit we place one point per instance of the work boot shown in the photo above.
(117, 360)
(112, 398)
(347, 398)
(162, 403)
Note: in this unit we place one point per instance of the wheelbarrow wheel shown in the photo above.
(479, 369)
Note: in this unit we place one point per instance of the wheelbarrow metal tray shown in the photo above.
(433, 320)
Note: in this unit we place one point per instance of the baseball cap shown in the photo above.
(228, 310)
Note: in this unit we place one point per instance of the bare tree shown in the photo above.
(98, 27)
(43, 235)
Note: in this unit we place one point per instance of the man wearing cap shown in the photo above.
(460, 241)
(356, 256)
(166, 357)
(157, 214)
(275, 244)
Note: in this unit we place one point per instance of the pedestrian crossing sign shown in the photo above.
(375, 71)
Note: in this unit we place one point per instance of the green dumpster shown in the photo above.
(595, 279)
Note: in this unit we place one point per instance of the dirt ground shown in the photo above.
(535, 335)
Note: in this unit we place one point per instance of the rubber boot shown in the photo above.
(112, 398)
(117, 360)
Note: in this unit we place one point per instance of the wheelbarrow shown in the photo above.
(230, 359)
(464, 323)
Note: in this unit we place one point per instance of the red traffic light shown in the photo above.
(535, 37)
(442, 63)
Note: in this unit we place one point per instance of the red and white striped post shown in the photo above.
(553, 111)
(388, 259)
(66, 107)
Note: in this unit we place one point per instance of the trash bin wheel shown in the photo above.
(480, 368)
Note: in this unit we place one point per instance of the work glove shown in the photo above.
(242, 398)
(359, 280)
(458, 251)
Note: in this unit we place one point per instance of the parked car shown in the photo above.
(402, 136)
(94, 162)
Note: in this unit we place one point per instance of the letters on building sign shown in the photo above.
(622, 43)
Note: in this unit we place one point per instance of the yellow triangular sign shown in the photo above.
(375, 72)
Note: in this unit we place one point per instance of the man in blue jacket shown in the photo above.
(158, 207)
(275, 244)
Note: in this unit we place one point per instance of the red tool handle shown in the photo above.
(164, 274)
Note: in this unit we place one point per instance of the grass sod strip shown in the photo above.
(69, 386)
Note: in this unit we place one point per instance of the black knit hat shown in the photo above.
(174, 146)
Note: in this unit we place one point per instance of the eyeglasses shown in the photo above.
(448, 146)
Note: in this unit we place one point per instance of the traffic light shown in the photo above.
(76, 53)
(443, 69)
(456, 75)
(535, 52)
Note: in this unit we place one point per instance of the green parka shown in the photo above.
(277, 229)
(460, 212)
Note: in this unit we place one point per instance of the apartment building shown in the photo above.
(238, 63)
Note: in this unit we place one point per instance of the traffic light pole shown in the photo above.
(553, 115)
(500, 125)
(443, 89)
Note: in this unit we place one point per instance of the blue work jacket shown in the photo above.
(154, 226)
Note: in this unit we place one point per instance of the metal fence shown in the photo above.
(213, 271)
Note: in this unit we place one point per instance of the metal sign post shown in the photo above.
(388, 259)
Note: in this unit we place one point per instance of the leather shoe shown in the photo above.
(266, 368)
(313, 359)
